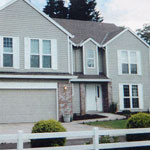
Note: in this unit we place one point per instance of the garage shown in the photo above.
(29, 102)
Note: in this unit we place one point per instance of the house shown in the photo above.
(50, 67)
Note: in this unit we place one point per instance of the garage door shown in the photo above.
(27, 105)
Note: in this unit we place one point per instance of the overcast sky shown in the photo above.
(129, 13)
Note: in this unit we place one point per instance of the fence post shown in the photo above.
(96, 139)
(20, 140)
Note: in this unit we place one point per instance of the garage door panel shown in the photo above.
(27, 105)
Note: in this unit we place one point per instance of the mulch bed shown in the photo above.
(87, 116)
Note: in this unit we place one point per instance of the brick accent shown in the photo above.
(107, 95)
(64, 98)
(82, 99)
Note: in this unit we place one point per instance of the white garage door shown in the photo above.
(27, 105)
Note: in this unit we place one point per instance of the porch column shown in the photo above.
(82, 99)
(64, 98)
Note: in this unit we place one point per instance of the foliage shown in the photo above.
(56, 9)
(126, 113)
(144, 33)
(84, 10)
(115, 124)
(48, 126)
(105, 139)
(77, 9)
(113, 107)
(140, 120)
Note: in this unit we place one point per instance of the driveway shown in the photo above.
(72, 126)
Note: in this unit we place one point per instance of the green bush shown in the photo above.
(47, 126)
(140, 120)
(113, 107)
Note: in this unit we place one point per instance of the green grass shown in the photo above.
(116, 124)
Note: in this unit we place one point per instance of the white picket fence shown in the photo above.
(95, 134)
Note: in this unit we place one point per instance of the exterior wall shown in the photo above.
(64, 98)
(92, 46)
(127, 41)
(101, 60)
(77, 60)
(21, 20)
(76, 98)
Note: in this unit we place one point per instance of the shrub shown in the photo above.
(113, 107)
(127, 113)
(140, 120)
(48, 126)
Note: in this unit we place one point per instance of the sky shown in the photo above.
(128, 13)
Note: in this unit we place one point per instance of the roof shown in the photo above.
(83, 30)
(42, 13)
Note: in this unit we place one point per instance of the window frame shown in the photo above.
(9, 53)
(41, 54)
(121, 91)
(87, 58)
(138, 62)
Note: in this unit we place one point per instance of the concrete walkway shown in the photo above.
(72, 126)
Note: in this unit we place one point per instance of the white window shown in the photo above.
(7, 52)
(129, 62)
(90, 58)
(40, 53)
(131, 96)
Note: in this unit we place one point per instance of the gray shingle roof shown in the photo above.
(100, 32)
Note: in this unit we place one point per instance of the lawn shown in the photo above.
(116, 124)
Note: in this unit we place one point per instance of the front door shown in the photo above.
(94, 97)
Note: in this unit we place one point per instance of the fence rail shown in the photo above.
(95, 134)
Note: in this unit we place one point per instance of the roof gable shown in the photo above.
(41, 13)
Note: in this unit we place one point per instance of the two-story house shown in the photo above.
(50, 67)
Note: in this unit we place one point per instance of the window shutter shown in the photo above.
(1, 51)
(140, 88)
(139, 63)
(16, 56)
(121, 97)
(27, 53)
(119, 63)
(54, 53)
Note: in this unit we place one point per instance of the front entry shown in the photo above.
(94, 98)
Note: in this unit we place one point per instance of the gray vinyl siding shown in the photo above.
(92, 46)
(128, 41)
(76, 98)
(21, 20)
(78, 60)
(101, 60)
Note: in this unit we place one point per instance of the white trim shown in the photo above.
(72, 60)
(140, 96)
(87, 58)
(57, 105)
(115, 37)
(107, 68)
(43, 14)
(126, 29)
(97, 59)
(84, 60)
(27, 85)
(90, 39)
(69, 57)
(90, 80)
(38, 76)
(73, 43)
(138, 57)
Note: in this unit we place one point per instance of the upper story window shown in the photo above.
(129, 62)
(90, 58)
(7, 52)
(41, 53)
